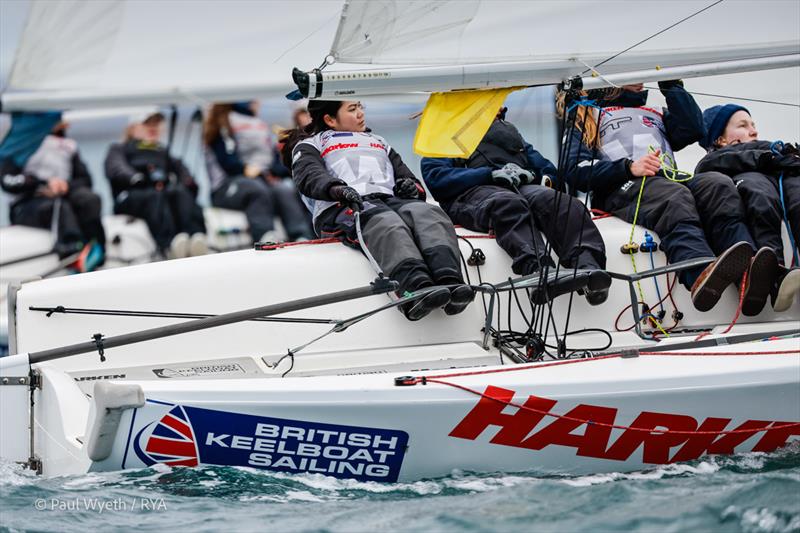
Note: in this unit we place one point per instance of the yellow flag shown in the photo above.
(454, 123)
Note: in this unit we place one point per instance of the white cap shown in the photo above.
(144, 115)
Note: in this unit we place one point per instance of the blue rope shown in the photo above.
(655, 279)
(795, 256)
(586, 102)
(777, 149)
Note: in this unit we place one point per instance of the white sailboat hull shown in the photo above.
(223, 394)
(365, 427)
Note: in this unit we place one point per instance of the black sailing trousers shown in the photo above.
(518, 223)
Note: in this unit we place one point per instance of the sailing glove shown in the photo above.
(666, 85)
(781, 163)
(346, 196)
(512, 175)
(406, 188)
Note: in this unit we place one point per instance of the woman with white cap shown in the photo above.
(147, 183)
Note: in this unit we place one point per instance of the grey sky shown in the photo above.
(12, 20)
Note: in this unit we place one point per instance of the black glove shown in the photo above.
(788, 164)
(666, 85)
(406, 188)
(347, 196)
(772, 163)
(791, 149)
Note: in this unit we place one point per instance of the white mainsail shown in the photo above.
(102, 53)
(122, 52)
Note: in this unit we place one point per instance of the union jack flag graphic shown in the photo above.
(171, 442)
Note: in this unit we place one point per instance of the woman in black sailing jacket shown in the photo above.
(763, 180)
(611, 151)
(147, 183)
(337, 164)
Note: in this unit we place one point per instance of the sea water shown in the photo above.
(753, 492)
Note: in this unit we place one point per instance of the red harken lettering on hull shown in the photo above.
(658, 441)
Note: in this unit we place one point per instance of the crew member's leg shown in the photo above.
(392, 245)
(668, 208)
(723, 215)
(436, 239)
(151, 206)
(251, 196)
(293, 215)
(38, 211)
(85, 205)
(568, 226)
(489, 207)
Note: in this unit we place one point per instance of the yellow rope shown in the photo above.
(670, 171)
(633, 259)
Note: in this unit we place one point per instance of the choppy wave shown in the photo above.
(751, 493)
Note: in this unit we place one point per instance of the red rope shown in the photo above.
(772, 352)
(603, 424)
(279, 245)
(738, 309)
(599, 214)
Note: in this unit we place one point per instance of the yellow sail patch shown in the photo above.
(453, 123)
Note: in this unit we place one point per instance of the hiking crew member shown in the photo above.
(55, 179)
(754, 174)
(500, 188)
(337, 164)
(611, 160)
(148, 184)
(239, 157)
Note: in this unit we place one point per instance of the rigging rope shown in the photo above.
(655, 34)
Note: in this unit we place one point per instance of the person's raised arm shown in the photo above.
(683, 119)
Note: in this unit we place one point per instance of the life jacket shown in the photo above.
(360, 159)
(144, 156)
(628, 133)
(53, 158)
(501, 145)
(251, 135)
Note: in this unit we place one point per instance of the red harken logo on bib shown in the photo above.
(658, 433)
